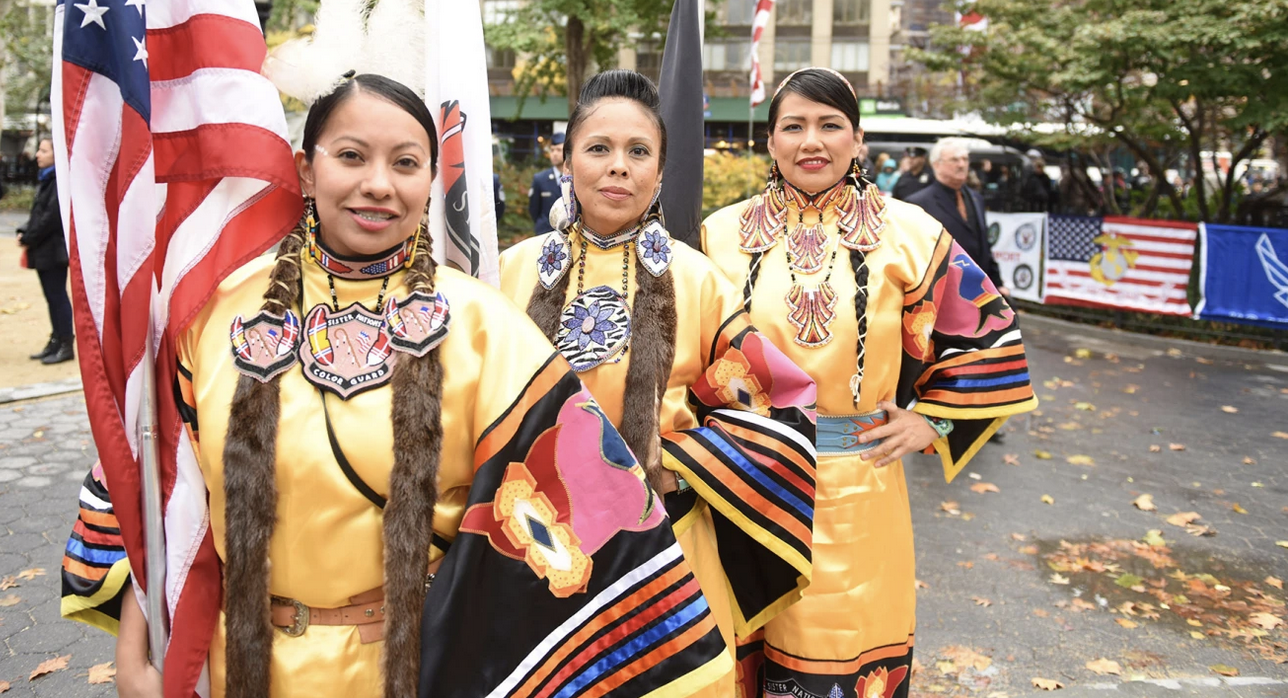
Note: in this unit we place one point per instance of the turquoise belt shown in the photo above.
(839, 436)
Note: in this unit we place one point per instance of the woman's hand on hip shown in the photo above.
(905, 432)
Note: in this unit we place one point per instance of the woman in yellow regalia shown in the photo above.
(723, 422)
(410, 493)
(911, 347)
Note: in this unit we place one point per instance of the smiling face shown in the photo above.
(813, 143)
(615, 164)
(370, 175)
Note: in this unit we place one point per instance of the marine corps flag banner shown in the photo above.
(1243, 275)
(1017, 240)
(462, 214)
(1124, 263)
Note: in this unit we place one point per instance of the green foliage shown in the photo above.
(18, 197)
(728, 178)
(516, 179)
(26, 53)
(288, 15)
(1162, 78)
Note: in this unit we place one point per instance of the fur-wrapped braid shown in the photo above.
(652, 355)
(413, 493)
(250, 453)
(546, 304)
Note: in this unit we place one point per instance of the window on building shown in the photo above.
(851, 11)
(791, 54)
(795, 12)
(726, 55)
(850, 56)
(738, 11)
(648, 59)
(499, 11)
(498, 58)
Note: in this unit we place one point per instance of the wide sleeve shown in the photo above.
(752, 460)
(565, 573)
(963, 358)
(96, 573)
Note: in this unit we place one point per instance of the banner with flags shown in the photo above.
(682, 112)
(1017, 240)
(1243, 275)
(462, 213)
(1119, 262)
(174, 169)
(758, 24)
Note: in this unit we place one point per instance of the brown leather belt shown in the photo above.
(366, 611)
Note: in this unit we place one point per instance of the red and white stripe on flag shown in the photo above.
(1140, 265)
(758, 23)
(174, 169)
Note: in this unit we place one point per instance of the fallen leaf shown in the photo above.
(951, 507)
(1029, 549)
(992, 557)
(4, 686)
(1104, 666)
(1183, 518)
(982, 487)
(965, 656)
(1224, 670)
(1280, 434)
(1070, 426)
(966, 564)
(1154, 537)
(1230, 409)
(1238, 509)
(1195, 623)
(1176, 447)
(49, 666)
(1266, 621)
(1197, 635)
(920, 584)
(12, 599)
(1282, 543)
(32, 573)
(1042, 455)
(981, 601)
(967, 516)
(1145, 502)
(1081, 460)
(976, 476)
(1057, 578)
(1247, 460)
(1127, 581)
(1082, 353)
(1084, 406)
(8, 583)
(1080, 605)
(1048, 499)
(1155, 448)
(1011, 459)
(1203, 360)
(1125, 623)
(102, 673)
(1041, 612)
(1019, 536)
(946, 668)
(1047, 684)
(1275, 582)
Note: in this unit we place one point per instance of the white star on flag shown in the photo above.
(138, 4)
(93, 13)
(141, 53)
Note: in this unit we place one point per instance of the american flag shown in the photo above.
(758, 24)
(174, 169)
(1119, 263)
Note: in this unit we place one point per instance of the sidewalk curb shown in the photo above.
(38, 390)
(1189, 347)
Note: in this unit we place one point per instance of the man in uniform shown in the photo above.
(545, 186)
(917, 177)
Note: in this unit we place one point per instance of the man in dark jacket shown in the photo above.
(545, 187)
(917, 177)
(958, 207)
(47, 254)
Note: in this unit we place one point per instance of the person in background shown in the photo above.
(917, 177)
(498, 196)
(888, 177)
(545, 186)
(42, 235)
(869, 169)
(1036, 193)
(958, 207)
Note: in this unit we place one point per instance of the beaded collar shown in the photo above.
(860, 215)
(360, 267)
(653, 244)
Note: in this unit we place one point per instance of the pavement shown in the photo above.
(990, 618)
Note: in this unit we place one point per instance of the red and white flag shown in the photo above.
(174, 169)
(1119, 262)
(758, 24)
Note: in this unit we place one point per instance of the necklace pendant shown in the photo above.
(594, 328)
(347, 352)
(264, 346)
(808, 247)
(812, 312)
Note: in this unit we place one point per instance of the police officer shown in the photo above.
(918, 176)
(545, 186)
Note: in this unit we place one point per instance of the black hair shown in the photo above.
(821, 86)
(380, 86)
(623, 84)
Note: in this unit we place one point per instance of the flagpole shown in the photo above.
(153, 523)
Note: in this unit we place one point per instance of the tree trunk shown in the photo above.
(575, 52)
